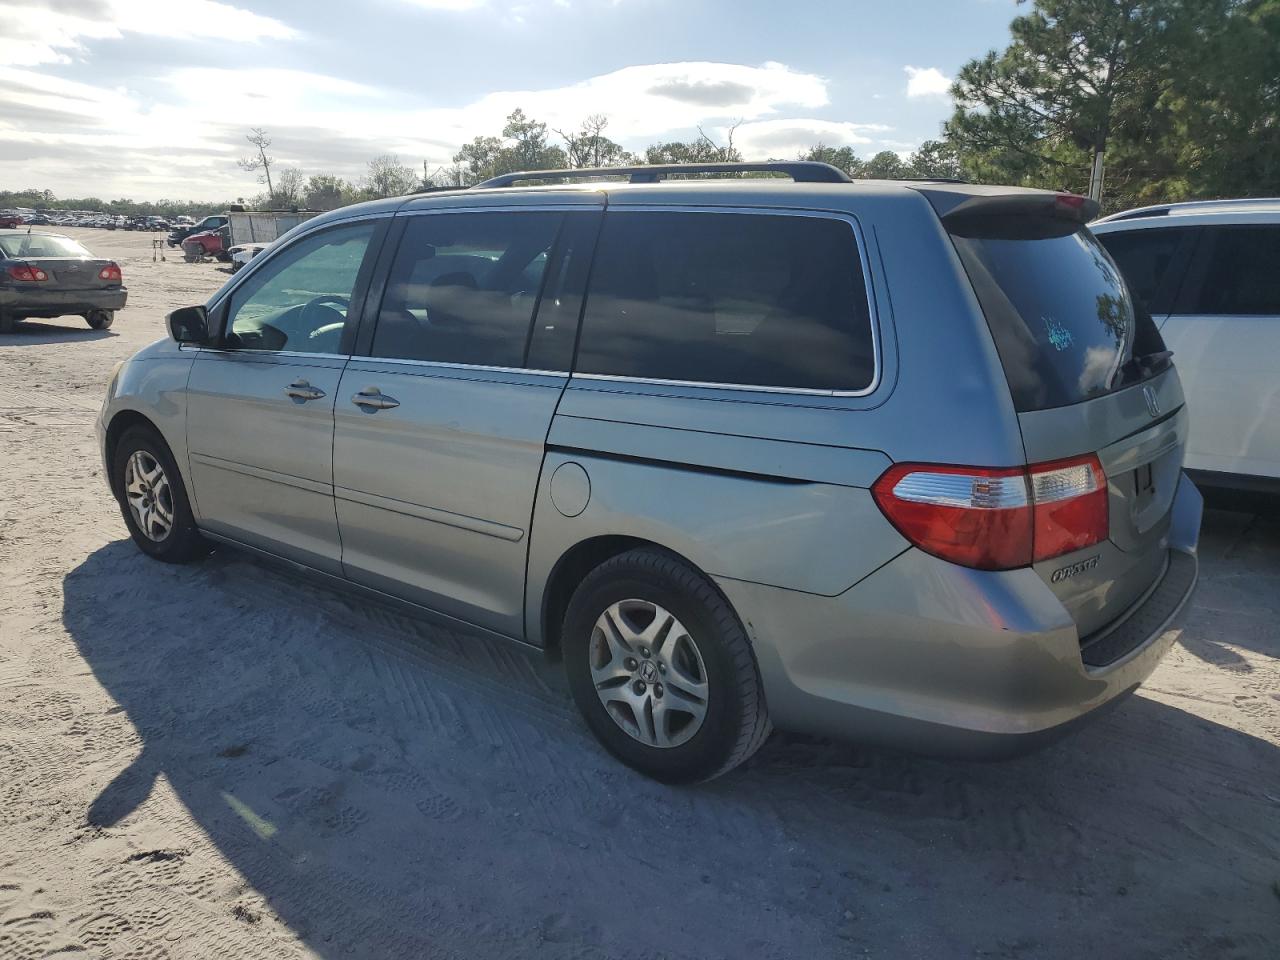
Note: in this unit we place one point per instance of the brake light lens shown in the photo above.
(997, 519)
(110, 272)
(27, 273)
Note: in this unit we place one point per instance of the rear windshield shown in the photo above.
(1062, 318)
(40, 245)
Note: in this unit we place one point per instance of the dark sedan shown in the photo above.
(49, 275)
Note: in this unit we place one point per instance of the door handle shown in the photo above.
(371, 398)
(301, 390)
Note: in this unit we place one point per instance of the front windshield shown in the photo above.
(41, 245)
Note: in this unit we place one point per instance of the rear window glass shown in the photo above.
(1144, 257)
(742, 299)
(1062, 319)
(41, 245)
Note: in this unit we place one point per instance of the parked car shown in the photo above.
(8, 220)
(1209, 273)
(862, 460)
(178, 234)
(49, 275)
(242, 254)
(210, 243)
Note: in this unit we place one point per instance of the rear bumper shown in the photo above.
(56, 303)
(929, 656)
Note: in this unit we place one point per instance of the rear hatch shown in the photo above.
(1088, 374)
(65, 264)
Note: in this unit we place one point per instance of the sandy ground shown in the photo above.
(220, 761)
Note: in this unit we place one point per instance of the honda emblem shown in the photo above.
(1153, 402)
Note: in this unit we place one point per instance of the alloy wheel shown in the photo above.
(648, 672)
(149, 495)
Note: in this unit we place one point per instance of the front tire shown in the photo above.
(153, 499)
(662, 670)
(100, 319)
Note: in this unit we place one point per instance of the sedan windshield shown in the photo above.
(40, 245)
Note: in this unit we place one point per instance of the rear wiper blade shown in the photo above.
(1144, 364)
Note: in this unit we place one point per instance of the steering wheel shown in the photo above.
(324, 322)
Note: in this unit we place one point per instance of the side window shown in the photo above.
(1242, 277)
(1144, 258)
(744, 299)
(463, 287)
(298, 301)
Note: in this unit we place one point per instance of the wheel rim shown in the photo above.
(149, 495)
(648, 673)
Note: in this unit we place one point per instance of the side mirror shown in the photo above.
(189, 325)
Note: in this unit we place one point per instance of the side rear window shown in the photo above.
(1243, 276)
(766, 300)
(1145, 258)
(463, 287)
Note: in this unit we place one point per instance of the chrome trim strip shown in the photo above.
(231, 466)
(873, 315)
(463, 522)
(288, 354)
(484, 368)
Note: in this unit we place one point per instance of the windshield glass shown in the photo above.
(41, 245)
(1061, 316)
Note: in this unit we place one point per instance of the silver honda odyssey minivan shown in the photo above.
(897, 462)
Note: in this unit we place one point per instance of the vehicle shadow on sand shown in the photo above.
(394, 789)
(30, 333)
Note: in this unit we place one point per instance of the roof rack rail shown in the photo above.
(801, 171)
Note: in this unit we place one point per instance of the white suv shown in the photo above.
(1209, 272)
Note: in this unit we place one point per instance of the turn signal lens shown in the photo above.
(997, 518)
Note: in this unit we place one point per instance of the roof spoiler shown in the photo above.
(955, 207)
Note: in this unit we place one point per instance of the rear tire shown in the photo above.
(7, 322)
(153, 499)
(677, 697)
(100, 319)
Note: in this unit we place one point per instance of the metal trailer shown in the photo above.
(263, 226)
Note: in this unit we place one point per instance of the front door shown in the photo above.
(440, 428)
(260, 405)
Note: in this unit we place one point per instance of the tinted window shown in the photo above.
(1244, 272)
(463, 287)
(1144, 258)
(298, 300)
(1061, 317)
(760, 300)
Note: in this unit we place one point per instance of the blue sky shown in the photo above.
(151, 98)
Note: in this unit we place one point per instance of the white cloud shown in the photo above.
(926, 82)
(453, 5)
(784, 139)
(86, 140)
(55, 31)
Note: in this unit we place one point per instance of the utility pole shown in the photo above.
(1095, 176)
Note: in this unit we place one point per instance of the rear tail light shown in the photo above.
(27, 273)
(110, 272)
(997, 519)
